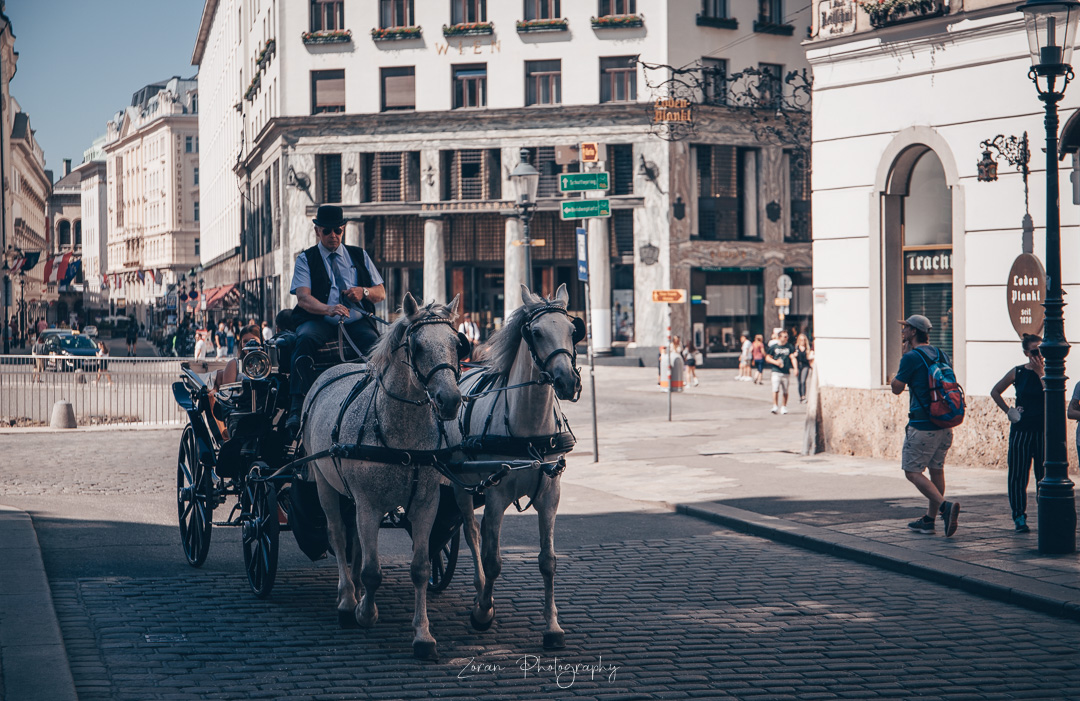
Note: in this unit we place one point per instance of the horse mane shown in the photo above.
(382, 353)
(500, 351)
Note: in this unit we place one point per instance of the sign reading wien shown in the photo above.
(1027, 285)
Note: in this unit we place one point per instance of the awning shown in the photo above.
(216, 296)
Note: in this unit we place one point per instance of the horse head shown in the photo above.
(552, 335)
(433, 349)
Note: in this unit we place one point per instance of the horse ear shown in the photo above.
(454, 305)
(561, 295)
(528, 297)
(408, 305)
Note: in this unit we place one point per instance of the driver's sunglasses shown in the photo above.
(336, 230)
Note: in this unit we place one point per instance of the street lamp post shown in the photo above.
(1051, 29)
(526, 179)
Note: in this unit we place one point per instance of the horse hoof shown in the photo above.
(346, 619)
(554, 641)
(481, 625)
(425, 651)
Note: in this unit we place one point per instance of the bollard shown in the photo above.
(63, 415)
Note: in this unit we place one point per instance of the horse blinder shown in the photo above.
(464, 346)
(579, 329)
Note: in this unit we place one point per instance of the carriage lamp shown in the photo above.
(1051, 30)
(526, 179)
(256, 362)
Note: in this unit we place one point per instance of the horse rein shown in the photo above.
(421, 378)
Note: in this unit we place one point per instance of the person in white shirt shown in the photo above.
(200, 346)
(470, 329)
(746, 359)
(267, 332)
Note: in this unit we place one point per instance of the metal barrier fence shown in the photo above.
(101, 390)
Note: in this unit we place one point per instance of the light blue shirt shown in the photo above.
(302, 278)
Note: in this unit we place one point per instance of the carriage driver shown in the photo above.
(331, 282)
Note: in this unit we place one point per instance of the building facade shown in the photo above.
(152, 190)
(65, 284)
(902, 223)
(30, 188)
(93, 203)
(411, 116)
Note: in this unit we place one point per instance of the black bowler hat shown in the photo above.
(329, 217)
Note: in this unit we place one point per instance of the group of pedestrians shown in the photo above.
(783, 359)
(222, 341)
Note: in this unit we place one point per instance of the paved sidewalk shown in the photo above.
(748, 475)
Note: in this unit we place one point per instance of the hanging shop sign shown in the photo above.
(672, 109)
(1026, 291)
(928, 266)
(835, 17)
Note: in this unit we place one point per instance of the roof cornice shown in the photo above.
(209, 10)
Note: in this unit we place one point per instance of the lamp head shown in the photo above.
(526, 179)
(1051, 30)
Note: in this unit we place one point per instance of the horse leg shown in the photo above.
(367, 527)
(483, 613)
(337, 532)
(546, 505)
(422, 515)
(472, 536)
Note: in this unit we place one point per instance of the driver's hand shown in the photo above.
(339, 310)
(354, 294)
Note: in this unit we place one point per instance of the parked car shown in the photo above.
(66, 352)
(39, 344)
(90, 331)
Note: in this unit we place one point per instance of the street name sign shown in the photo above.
(582, 255)
(535, 243)
(669, 296)
(577, 182)
(585, 209)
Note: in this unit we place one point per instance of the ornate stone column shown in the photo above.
(600, 284)
(434, 261)
(513, 266)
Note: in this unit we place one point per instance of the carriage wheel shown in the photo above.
(260, 529)
(443, 564)
(193, 504)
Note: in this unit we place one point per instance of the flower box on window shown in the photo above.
(268, 51)
(468, 29)
(253, 87)
(784, 30)
(396, 33)
(617, 21)
(559, 24)
(884, 13)
(718, 22)
(331, 36)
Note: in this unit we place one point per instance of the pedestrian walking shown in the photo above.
(745, 357)
(1027, 431)
(103, 362)
(221, 345)
(757, 355)
(690, 360)
(230, 337)
(200, 346)
(470, 329)
(781, 357)
(925, 443)
(804, 357)
(132, 336)
(267, 332)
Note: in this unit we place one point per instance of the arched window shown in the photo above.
(917, 217)
(78, 233)
(63, 232)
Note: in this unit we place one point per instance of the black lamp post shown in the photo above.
(527, 180)
(1051, 29)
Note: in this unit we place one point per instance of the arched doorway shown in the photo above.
(917, 213)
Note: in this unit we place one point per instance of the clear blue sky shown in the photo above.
(81, 60)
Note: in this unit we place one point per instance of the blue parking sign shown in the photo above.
(582, 255)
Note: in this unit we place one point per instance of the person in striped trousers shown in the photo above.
(1027, 431)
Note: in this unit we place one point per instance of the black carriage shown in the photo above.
(254, 460)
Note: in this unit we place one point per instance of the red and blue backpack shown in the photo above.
(947, 407)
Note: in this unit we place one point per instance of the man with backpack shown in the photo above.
(929, 434)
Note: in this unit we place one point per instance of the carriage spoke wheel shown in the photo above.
(193, 500)
(259, 502)
(443, 563)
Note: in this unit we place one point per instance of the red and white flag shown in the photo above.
(56, 267)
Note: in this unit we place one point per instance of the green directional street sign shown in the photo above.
(585, 209)
(577, 182)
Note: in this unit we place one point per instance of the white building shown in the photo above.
(64, 214)
(411, 115)
(95, 226)
(902, 224)
(151, 153)
(29, 192)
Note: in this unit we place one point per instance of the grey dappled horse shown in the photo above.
(414, 373)
(525, 411)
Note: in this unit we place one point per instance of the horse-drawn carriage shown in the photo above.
(384, 445)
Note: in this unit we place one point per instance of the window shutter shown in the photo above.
(400, 91)
(330, 92)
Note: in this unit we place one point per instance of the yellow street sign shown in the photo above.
(532, 242)
(782, 302)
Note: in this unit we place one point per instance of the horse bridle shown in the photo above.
(527, 334)
(421, 378)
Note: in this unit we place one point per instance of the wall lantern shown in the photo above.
(987, 168)
(678, 210)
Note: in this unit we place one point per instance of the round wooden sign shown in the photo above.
(1026, 292)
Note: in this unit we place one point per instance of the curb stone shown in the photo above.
(32, 653)
(983, 581)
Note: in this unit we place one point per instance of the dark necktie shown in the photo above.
(338, 279)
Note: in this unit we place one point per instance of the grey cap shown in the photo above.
(918, 321)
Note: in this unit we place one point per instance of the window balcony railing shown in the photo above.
(468, 29)
(560, 24)
(765, 27)
(718, 22)
(331, 36)
(890, 12)
(265, 55)
(617, 21)
(396, 33)
(253, 88)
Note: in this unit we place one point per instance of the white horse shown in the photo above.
(534, 348)
(412, 375)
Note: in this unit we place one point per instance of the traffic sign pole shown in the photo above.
(670, 377)
(583, 275)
